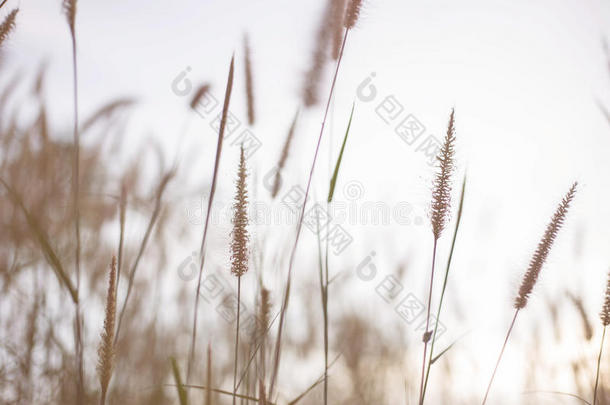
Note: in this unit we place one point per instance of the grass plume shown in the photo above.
(441, 192)
(8, 25)
(352, 13)
(605, 318)
(69, 9)
(313, 76)
(240, 237)
(201, 92)
(105, 351)
(543, 249)
(604, 315)
(337, 14)
(239, 246)
(533, 271)
(284, 156)
(582, 312)
(249, 80)
(439, 213)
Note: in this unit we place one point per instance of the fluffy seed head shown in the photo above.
(239, 245)
(284, 156)
(605, 314)
(352, 13)
(199, 95)
(543, 249)
(328, 35)
(265, 309)
(105, 351)
(7, 25)
(441, 192)
(69, 7)
(337, 15)
(249, 80)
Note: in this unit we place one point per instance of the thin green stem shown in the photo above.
(323, 277)
(326, 320)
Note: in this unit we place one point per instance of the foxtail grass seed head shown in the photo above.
(337, 16)
(249, 80)
(352, 13)
(8, 25)
(284, 156)
(201, 92)
(543, 249)
(329, 34)
(441, 191)
(582, 312)
(265, 308)
(69, 7)
(605, 314)
(311, 85)
(239, 244)
(105, 350)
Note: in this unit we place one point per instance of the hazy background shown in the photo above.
(523, 77)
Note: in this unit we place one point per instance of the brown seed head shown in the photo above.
(543, 249)
(352, 13)
(441, 192)
(265, 309)
(249, 80)
(284, 156)
(8, 25)
(199, 94)
(337, 15)
(605, 314)
(105, 350)
(69, 7)
(239, 245)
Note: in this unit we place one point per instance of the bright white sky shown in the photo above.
(523, 76)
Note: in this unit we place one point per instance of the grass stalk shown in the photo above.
(236, 340)
(300, 224)
(70, 10)
(426, 336)
(439, 213)
(151, 224)
(223, 123)
(493, 375)
(440, 304)
(535, 267)
(599, 359)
